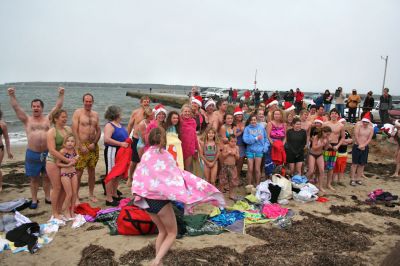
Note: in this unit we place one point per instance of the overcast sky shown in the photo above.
(308, 44)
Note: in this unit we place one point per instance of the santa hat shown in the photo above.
(237, 111)
(158, 109)
(397, 123)
(367, 117)
(287, 106)
(208, 103)
(197, 100)
(319, 120)
(341, 120)
(272, 103)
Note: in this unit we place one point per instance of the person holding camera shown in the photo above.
(339, 101)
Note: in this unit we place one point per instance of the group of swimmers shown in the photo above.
(205, 133)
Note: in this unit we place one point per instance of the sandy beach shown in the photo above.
(342, 231)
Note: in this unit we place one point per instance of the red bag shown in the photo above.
(134, 221)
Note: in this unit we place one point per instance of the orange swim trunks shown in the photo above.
(341, 163)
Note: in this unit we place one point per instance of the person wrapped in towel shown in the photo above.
(158, 180)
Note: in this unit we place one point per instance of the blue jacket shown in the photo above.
(250, 138)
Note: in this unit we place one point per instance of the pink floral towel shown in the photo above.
(158, 177)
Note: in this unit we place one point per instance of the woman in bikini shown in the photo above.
(319, 143)
(157, 181)
(55, 141)
(4, 134)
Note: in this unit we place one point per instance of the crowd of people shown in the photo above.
(204, 138)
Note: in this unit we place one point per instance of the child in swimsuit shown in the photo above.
(209, 152)
(69, 179)
(226, 129)
(228, 174)
(319, 142)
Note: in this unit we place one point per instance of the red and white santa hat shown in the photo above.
(197, 100)
(319, 119)
(209, 102)
(287, 106)
(158, 109)
(367, 117)
(237, 111)
(272, 103)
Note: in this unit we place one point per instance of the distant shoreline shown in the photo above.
(154, 86)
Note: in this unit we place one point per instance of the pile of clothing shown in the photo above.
(380, 196)
(21, 234)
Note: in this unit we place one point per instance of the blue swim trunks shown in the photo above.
(35, 163)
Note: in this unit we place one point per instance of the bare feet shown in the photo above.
(321, 189)
(394, 175)
(129, 182)
(331, 188)
(93, 199)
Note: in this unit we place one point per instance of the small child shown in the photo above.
(319, 142)
(69, 178)
(209, 152)
(341, 161)
(228, 173)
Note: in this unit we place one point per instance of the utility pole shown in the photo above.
(386, 58)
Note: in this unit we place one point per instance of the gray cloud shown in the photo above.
(309, 44)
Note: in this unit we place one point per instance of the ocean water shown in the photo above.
(103, 97)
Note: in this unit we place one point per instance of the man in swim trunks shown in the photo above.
(36, 127)
(335, 139)
(362, 137)
(85, 126)
(136, 117)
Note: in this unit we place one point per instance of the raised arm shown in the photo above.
(60, 100)
(17, 108)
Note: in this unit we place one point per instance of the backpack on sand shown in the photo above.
(134, 221)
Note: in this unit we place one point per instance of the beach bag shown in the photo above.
(285, 184)
(134, 221)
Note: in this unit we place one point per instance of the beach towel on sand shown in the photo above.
(158, 177)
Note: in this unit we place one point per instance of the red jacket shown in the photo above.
(247, 94)
(299, 96)
(278, 154)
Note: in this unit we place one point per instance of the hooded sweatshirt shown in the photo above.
(250, 138)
